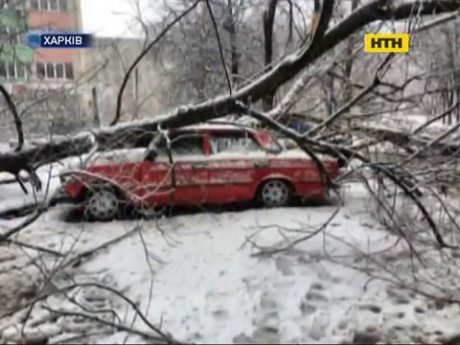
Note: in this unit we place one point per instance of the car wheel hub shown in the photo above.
(103, 204)
(275, 193)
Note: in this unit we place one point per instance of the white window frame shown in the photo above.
(16, 66)
(55, 64)
(65, 71)
(40, 5)
(16, 33)
(29, 5)
(48, 6)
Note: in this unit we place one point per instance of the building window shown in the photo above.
(20, 71)
(3, 73)
(59, 71)
(69, 70)
(50, 5)
(63, 5)
(13, 70)
(22, 38)
(41, 71)
(20, 13)
(11, 4)
(11, 35)
(34, 4)
(19, 36)
(50, 71)
(44, 5)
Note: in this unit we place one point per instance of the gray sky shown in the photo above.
(112, 18)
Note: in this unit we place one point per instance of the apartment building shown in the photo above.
(23, 68)
(104, 67)
(46, 78)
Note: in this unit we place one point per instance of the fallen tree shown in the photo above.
(322, 40)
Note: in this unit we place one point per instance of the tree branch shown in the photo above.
(219, 44)
(268, 20)
(17, 119)
(141, 56)
(224, 104)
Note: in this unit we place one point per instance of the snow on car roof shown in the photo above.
(217, 126)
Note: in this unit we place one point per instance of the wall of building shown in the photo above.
(15, 55)
(104, 69)
(46, 92)
(42, 15)
(49, 15)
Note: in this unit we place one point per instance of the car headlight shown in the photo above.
(66, 179)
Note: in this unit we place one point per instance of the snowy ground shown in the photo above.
(12, 197)
(198, 277)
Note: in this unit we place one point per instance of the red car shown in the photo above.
(209, 164)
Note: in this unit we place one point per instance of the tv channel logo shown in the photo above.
(56, 40)
(387, 43)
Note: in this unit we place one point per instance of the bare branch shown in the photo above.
(219, 44)
(141, 55)
(17, 119)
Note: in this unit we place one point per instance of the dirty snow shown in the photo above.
(207, 286)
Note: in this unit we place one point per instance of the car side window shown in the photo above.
(233, 142)
(183, 144)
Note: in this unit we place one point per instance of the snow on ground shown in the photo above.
(11, 196)
(208, 286)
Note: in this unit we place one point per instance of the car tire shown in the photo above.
(275, 193)
(102, 204)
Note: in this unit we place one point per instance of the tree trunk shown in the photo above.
(347, 87)
(231, 28)
(96, 117)
(268, 24)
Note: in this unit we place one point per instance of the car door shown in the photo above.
(178, 178)
(189, 175)
(154, 187)
(235, 165)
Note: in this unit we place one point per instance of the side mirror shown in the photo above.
(151, 156)
(274, 151)
(152, 153)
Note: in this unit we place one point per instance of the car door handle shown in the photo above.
(260, 163)
(199, 165)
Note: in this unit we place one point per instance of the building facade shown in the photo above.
(47, 78)
(22, 67)
(103, 69)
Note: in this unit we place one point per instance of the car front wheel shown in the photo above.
(103, 204)
(275, 193)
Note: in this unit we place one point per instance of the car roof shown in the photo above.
(216, 126)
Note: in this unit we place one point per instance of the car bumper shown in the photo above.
(62, 198)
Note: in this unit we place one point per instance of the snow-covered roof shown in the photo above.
(217, 126)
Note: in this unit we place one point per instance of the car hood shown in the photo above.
(103, 158)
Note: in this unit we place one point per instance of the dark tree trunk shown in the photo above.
(231, 28)
(268, 24)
